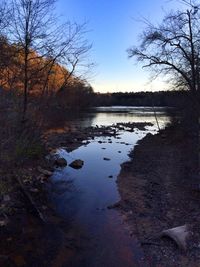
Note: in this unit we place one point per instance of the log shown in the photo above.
(30, 200)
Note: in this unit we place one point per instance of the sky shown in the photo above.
(113, 27)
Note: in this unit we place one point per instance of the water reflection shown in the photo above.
(82, 196)
(112, 115)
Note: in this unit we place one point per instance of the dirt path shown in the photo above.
(159, 191)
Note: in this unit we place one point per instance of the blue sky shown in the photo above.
(114, 25)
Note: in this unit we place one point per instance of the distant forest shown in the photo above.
(160, 98)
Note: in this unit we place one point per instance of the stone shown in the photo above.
(77, 164)
(6, 198)
(106, 159)
(61, 162)
(3, 222)
(178, 234)
(45, 172)
(34, 190)
(114, 206)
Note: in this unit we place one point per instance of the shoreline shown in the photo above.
(156, 194)
(24, 234)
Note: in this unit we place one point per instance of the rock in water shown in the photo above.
(77, 164)
(61, 162)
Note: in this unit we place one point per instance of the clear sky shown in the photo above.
(114, 25)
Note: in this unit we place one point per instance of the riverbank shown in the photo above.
(28, 221)
(159, 190)
(29, 227)
(25, 236)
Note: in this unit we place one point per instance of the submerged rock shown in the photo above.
(77, 164)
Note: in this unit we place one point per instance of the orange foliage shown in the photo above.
(44, 75)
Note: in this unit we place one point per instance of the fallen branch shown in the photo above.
(30, 200)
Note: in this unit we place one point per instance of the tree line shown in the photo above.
(178, 99)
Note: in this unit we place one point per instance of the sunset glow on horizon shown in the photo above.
(113, 27)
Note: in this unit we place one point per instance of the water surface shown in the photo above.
(82, 196)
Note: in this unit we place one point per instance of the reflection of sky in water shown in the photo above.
(110, 118)
(122, 114)
(82, 194)
(92, 187)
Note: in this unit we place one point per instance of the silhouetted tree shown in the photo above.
(172, 48)
(42, 42)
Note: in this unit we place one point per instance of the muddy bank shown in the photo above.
(159, 190)
(31, 232)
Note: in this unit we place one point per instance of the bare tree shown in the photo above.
(40, 38)
(71, 52)
(4, 18)
(4, 22)
(172, 48)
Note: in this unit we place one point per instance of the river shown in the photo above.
(82, 196)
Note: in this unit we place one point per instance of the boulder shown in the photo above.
(179, 235)
(61, 162)
(77, 164)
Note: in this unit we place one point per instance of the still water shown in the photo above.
(82, 196)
